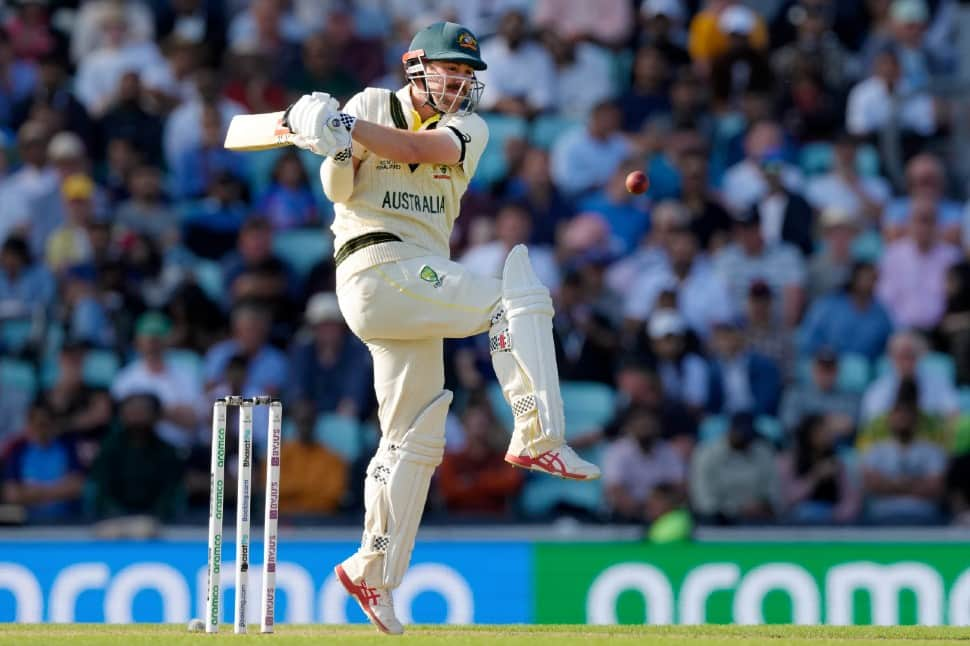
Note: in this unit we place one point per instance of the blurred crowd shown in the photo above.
(776, 332)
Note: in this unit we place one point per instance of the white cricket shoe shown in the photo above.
(562, 463)
(375, 602)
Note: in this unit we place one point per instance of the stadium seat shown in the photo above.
(15, 334)
(302, 248)
(547, 128)
(964, 397)
(259, 165)
(940, 363)
(208, 275)
(18, 385)
(492, 165)
(100, 368)
(853, 372)
(868, 247)
(340, 434)
(588, 406)
(815, 159)
(542, 493)
(769, 428)
(712, 427)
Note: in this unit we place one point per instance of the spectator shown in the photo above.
(928, 426)
(871, 103)
(585, 339)
(53, 92)
(316, 477)
(739, 379)
(211, 226)
(182, 132)
(709, 30)
(70, 244)
(89, 29)
(903, 475)
(193, 21)
(321, 67)
(785, 215)
(249, 338)
(130, 117)
(331, 370)
(361, 55)
(85, 315)
(654, 250)
(702, 296)
(176, 388)
(708, 219)
(83, 412)
(851, 320)
(136, 471)
(512, 227)
(954, 329)
(532, 187)
(625, 213)
(583, 159)
(746, 183)
(147, 212)
(168, 85)
(606, 23)
(289, 202)
(821, 396)
(254, 271)
(937, 395)
(958, 488)
(734, 478)
(863, 198)
(684, 375)
(24, 285)
(199, 166)
(521, 76)
(741, 68)
(475, 479)
(909, 22)
(750, 258)
(662, 26)
(251, 81)
(34, 184)
(764, 333)
(269, 27)
(19, 78)
(649, 94)
(639, 387)
(29, 30)
(912, 274)
(817, 483)
(42, 472)
(119, 50)
(816, 41)
(830, 267)
(639, 462)
(925, 181)
(582, 73)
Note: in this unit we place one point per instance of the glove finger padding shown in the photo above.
(309, 115)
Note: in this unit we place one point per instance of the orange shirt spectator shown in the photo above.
(710, 30)
(476, 479)
(316, 477)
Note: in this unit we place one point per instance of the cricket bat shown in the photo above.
(258, 132)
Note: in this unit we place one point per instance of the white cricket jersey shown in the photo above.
(418, 202)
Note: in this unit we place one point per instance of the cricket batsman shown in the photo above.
(397, 164)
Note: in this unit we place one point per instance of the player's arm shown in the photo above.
(406, 147)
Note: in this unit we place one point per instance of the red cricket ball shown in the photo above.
(637, 182)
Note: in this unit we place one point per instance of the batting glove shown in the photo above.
(309, 115)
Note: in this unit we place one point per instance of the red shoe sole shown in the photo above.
(352, 590)
(525, 462)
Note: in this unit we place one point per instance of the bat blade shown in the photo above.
(258, 132)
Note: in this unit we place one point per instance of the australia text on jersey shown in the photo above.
(405, 201)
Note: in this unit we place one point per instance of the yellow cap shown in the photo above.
(77, 187)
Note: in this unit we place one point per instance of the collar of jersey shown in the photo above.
(404, 94)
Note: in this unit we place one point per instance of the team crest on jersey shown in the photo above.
(442, 172)
(429, 275)
(467, 41)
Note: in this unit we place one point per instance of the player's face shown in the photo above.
(452, 86)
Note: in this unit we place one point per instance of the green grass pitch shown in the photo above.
(135, 635)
